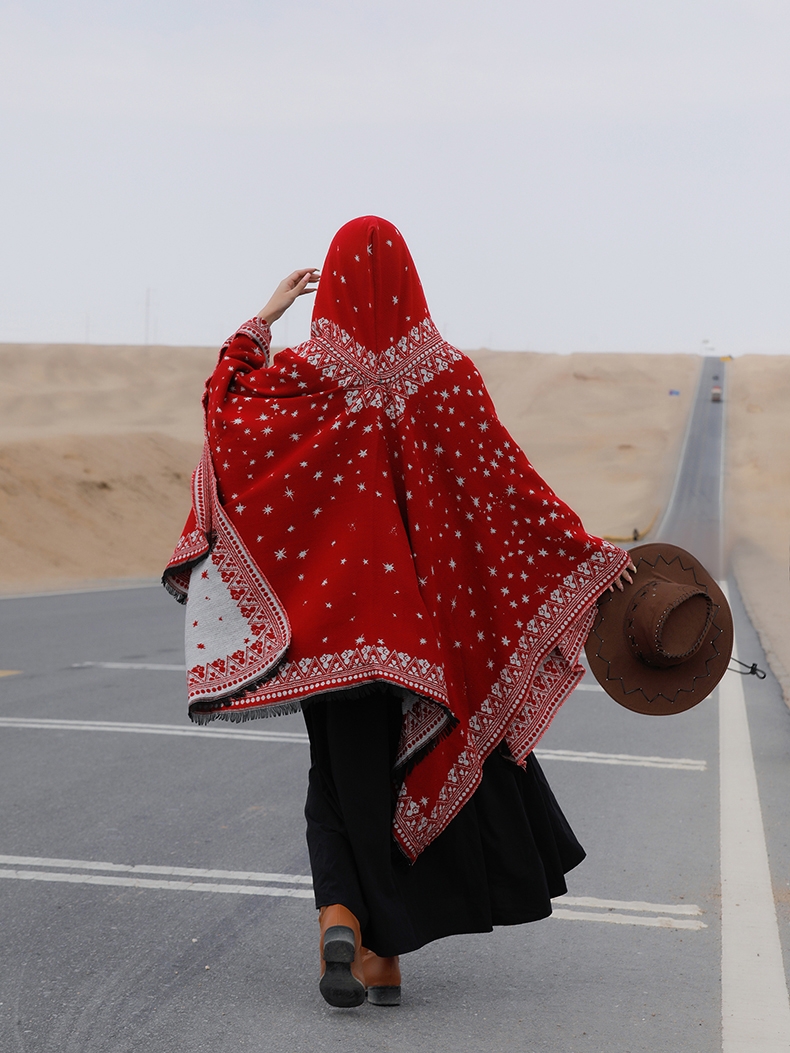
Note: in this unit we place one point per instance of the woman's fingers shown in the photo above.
(301, 275)
(623, 576)
(303, 286)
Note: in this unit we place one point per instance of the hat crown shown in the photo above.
(666, 622)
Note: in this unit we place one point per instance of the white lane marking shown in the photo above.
(619, 904)
(130, 665)
(53, 724)
(754, 1001)
(629, 919)
(250, 734)
(135, 868)
(170, 886)
(12, 868)
(678, 763)
(305, 879)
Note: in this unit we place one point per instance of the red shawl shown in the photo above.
(360, 515)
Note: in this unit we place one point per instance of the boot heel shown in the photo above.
(338, 986)
(384, 995)
(339, 944)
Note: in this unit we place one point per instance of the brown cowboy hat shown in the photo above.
(662, 644)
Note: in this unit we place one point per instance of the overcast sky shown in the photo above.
(579, 175)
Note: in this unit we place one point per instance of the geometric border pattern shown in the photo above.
(539, 676)
(385, 379)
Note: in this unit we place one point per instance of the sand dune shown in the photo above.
(97, 446)
(80, 507)
(62, 389)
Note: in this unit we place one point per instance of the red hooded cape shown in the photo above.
(360, 515)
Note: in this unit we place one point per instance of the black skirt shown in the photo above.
(499, 862)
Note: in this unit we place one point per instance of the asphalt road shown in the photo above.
(114, 938)
(693, 517)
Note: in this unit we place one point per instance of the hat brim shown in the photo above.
(640, 687)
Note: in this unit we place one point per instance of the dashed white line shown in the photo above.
(628, 919)
(162, 871)
(627, 759)
(214, 732)
(261, 883)
(227, 731)
(636, 905)
(155, 667)
(170, 886)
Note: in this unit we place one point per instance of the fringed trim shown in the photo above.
(177, 594)
(199, 715)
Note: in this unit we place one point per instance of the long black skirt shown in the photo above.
(499, 862)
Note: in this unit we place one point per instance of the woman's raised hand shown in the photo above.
(296, 284)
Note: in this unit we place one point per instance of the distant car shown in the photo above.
(715, 393)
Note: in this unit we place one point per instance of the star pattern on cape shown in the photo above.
(399, 534)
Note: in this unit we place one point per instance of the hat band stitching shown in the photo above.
(700, 639)
(659, 650)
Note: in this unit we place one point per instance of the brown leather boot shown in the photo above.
(381, 977)
(341, 981)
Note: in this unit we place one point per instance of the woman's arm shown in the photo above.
(295, 285)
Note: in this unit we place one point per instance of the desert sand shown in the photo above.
(97, 445)
(758, 498)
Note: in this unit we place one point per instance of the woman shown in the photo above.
(368, 544)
